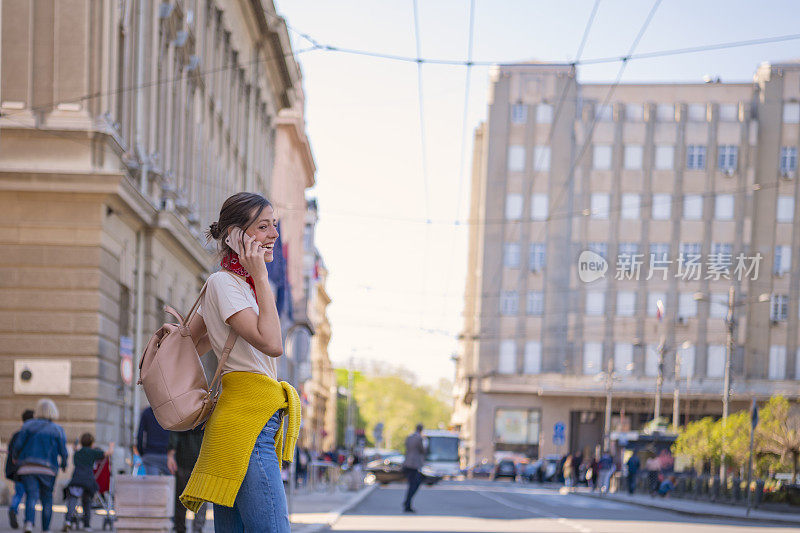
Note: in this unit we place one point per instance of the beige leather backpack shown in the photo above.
(172, 375)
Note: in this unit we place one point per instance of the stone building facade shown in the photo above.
(124, 126)
(662, 173)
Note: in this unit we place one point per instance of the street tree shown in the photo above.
(778, 432)
(700, 441)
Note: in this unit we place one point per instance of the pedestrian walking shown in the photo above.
(82, 487)
(633, 470)
(607, 469)
(11, 475)
(569, 471)
(151, 444)
(40, 450)
(653, 466)
(244, 444)
(413, 462)
(182, 453)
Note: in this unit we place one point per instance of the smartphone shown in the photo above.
(234, 240)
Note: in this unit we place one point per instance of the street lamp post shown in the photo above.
(662, 348)
(609, 388)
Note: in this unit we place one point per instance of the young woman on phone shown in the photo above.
(239, 465)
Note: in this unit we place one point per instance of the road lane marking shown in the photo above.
(560, 519)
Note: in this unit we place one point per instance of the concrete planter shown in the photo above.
(144, 503)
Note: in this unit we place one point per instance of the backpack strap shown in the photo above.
(226, 351)
(196, 304)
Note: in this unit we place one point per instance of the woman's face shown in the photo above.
(265, 231)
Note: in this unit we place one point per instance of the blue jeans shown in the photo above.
(260, 504)
(39, 487)
(19, 493)
(155, 464)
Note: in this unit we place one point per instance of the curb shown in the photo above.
(690, 512)
(336, 514)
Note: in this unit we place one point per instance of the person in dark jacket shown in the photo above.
(11, 474)
(83, 486)
(182, 452)
(151, 444)
(414, 460)
(633, 470)
(40, 450)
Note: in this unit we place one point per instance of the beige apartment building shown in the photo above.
(675, 190)
(124, 126)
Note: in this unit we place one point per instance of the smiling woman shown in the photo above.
(238, 468)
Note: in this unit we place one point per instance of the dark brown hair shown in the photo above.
(87, 440)
(239, 210)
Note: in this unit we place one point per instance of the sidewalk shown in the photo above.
(310, 512)
(697, 508)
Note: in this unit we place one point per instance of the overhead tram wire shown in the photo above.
(464, 143)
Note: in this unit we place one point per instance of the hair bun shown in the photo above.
(213, 230)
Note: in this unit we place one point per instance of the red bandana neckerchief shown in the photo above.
(231, 263)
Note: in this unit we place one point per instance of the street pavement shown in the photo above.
(504, 506)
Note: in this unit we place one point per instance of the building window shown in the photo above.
(785, 211)
(516, 158)
(511, 254)
(687, 361)
(633, 157)
(604, 113)
(687, 305)
(695, 157)
(541, 158)
(507, 362)
(729, 112)
(539, 206)
(537, 258)
(718, 307)
(623, 358)
(513, 206)
(535, 303)
(519, 113)
(788, 159)
(600, 205)
(715, 364)
(723, 207)
(721, 254)
(665, 157)
(662, 206)
(595, 303)
(791, 113)
(630, 206)
(652, 302)
(634, 112)
(601, 159)
(692, 207)
(697, 112)
(665, 112)
(727, 157)
(690, 248)
(626, 303)
(532, 364)
(544, 114)
(783, 259)
(777, 362)
(651, 360)
(517, 426)
(627, 255)
(509, 303)
(600, 248)
(659, 251)
(592, 357)
(779, 307)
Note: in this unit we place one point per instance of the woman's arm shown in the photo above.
(262, 330)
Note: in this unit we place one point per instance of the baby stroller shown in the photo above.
(103, 498)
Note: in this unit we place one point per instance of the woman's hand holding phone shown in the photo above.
(251, 254)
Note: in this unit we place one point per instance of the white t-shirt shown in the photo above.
(227, 294)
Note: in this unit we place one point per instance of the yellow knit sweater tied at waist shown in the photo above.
(247, 402)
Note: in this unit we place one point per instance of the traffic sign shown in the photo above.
(559, 430)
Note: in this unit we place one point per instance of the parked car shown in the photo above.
(390, 469)
(480, 470)
(541, 470)
(505, 468)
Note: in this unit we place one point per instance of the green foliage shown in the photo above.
(778, 433)
(397, 402)
(700, 441)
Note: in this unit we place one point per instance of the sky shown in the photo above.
(388, 228)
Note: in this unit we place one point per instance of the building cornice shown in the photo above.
(292, 122)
